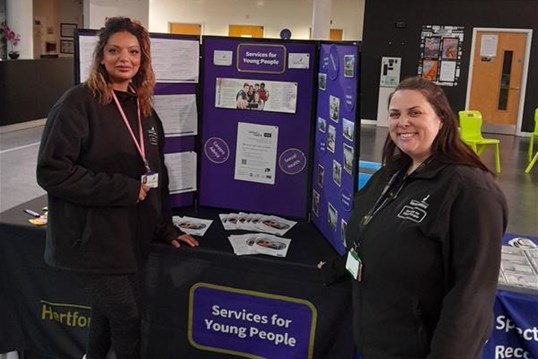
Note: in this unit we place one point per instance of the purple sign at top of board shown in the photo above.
(269, 59)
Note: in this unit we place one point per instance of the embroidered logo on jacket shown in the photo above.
(153, 136)
(415, 211)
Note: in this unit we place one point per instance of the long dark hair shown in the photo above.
(447, 146)
(144, 81)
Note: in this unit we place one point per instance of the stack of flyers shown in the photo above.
(190, 225)
(517, 268)
(256, 222)
(259, 243)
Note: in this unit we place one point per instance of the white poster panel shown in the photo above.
(181, 171)
(178, 114)
(175, 60)
(255, 156)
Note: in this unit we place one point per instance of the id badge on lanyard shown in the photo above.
(150, 178)
(354, 265)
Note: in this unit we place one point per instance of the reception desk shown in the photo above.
(29, 88)
(45, 311)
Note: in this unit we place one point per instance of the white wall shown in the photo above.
(96, 11)
(19, 18)
(274, 15)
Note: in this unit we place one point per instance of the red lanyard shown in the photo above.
(139, 144)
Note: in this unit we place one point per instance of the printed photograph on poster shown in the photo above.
(322, 81)
(349, 65)
(315, 202)
(260, 95)
(332, 217)
(348, 128)
(343, 228)
(321, 175)
(429, 69)
(255, 155)
(447, 71)
(450, 48)
(331, 138)
(337, 172)
(348, 158)
(431, 46)
(322, 125)
(334, 108)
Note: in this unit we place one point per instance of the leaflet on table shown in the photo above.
(518, 268)
(191, 225)
(259, 243)
(256, 222)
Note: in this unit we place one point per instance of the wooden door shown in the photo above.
(336, 34)
(245, 31)
(185, 29)
(498, 63)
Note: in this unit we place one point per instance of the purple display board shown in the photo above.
(257, 124)
(250, 324)
(336, 141)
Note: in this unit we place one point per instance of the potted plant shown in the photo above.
(12, 39)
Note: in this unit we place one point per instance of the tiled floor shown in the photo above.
(18, 151)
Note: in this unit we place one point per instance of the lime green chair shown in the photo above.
(534, 135)
(471, 134)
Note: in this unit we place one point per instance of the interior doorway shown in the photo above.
(185, 29)
(498, 77)
(255, 31)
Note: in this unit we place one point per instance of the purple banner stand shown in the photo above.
(336, 141)
(290, 64)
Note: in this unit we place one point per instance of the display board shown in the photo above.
(336, 141)
(257, 124)
(176, 62)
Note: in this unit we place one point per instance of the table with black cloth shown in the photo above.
(45, 311)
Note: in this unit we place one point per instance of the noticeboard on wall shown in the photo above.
(441, 54)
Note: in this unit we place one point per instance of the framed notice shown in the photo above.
(67, 29)
(67, 47)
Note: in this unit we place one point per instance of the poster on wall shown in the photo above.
(441, 54)
(336, 142)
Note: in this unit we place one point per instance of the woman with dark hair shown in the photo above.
(101, 162)
(424, 238)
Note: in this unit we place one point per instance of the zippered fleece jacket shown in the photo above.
(430, 259)
(91, 169)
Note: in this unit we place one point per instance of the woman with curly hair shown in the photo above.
(101, 162)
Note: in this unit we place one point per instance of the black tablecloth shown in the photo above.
(45, 310)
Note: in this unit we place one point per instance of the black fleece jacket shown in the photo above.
(91, 170)
(431, 259)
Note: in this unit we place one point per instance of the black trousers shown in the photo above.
(116, 311)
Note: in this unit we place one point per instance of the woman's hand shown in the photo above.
(186, 238)
(144, 189)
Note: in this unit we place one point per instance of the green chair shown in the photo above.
(534, 135)
(471, 134)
